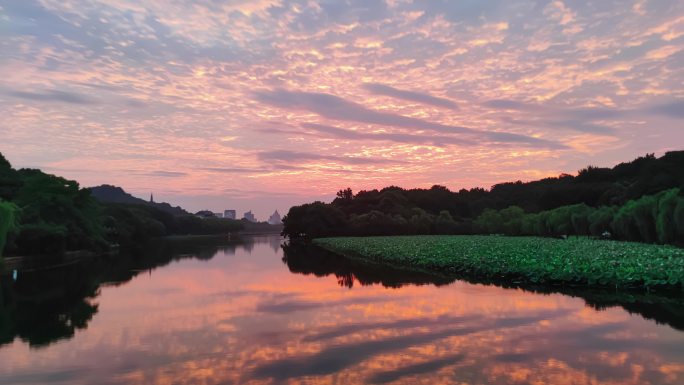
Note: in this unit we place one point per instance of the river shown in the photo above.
(248, 312)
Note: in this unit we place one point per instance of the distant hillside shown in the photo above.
(113, 194)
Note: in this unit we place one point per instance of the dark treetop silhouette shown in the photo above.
(54, 215)
(639, 200)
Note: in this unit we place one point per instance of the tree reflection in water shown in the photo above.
(660, 307)
(49, 303)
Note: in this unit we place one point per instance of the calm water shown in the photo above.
(245, 313)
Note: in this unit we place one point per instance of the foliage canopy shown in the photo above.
(639, 200)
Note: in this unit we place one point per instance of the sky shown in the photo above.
(264, 104)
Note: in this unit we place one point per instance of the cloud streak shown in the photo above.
(673, 109)
(551, 117)
(412, 96)
(167, 174)
(298, 157)
(432, 140)
(335, 107)
(52, 96)
(582, 119)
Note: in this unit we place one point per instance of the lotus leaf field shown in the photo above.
(572, 261)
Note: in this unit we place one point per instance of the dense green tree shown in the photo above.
(666, 227)
(58, 210)
(133, 224)
(10, 180)
(7, 222)
(529, 224)
(635, 221)
(678, 217)
(377, 223)
(559, 221)
(600, 220)
(421, 222)
(445, 224)
(566, 204)
(489, 221)
(579, 218)
(54, 215)
(651, 218)
(512, 217)
(313, 220)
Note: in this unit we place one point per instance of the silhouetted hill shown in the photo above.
(112, 194)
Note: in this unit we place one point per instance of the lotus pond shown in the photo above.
(573, 261)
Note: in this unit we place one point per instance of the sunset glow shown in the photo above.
(264, 104)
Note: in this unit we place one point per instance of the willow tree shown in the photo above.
(7, 222)
(666, 226)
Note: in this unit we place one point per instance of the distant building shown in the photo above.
(151, 198)
(229, 214)
(275, 219)
(249, 216)
(218, 215)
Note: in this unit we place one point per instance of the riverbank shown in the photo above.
(576, 261)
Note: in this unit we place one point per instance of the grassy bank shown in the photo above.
(575, 261)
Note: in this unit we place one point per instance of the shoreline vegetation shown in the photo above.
(641, 200)
(576, 261)
(603, 227)
(663, 306)
(43, 215)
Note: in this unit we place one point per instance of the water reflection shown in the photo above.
(234, 314)
(46, 304)
(311, 260)
(664, 308)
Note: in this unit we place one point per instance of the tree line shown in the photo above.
(637, 200)
(42, 213)
(657, 218)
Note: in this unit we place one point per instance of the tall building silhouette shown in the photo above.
(249, 216)
(275, 219)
